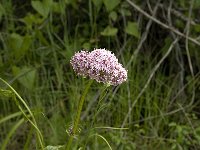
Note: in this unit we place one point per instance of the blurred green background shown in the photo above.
(159, 104)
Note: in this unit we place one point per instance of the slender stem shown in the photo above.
(78, 114)
(101, 97)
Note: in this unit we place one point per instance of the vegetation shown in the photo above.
(158, 43)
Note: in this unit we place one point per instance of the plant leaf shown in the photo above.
(97, 3)
(15, 41)
(132, 29)
(43, 8)
(113, 15)
(111, 4)
(109, 31)
(25, 76)
(19, 45)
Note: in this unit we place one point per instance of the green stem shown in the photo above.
(80, 106)
(101, 97)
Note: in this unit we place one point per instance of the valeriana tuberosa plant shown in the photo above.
(100, 65)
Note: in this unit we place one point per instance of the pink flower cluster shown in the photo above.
(99, 64)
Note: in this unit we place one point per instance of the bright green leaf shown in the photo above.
(97, 3)
(19, 45)
(43, 8)
(31, 19)
(111, 4)
(39, 7)
(25, 76)
(172, 124)
(179, 129)
(132, 29)
(15, 41)
(56, 7)
(125, 12)
(113, 15)
(109, 31)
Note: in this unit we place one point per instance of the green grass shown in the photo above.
(35, 51)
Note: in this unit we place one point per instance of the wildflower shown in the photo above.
(99, 64)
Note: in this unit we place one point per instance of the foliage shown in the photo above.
(159, 106)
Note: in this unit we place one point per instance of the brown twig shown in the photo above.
(162, 24)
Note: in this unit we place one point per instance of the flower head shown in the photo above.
(79, 63)
(99, 64)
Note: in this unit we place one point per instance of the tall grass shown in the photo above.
(155, 109)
